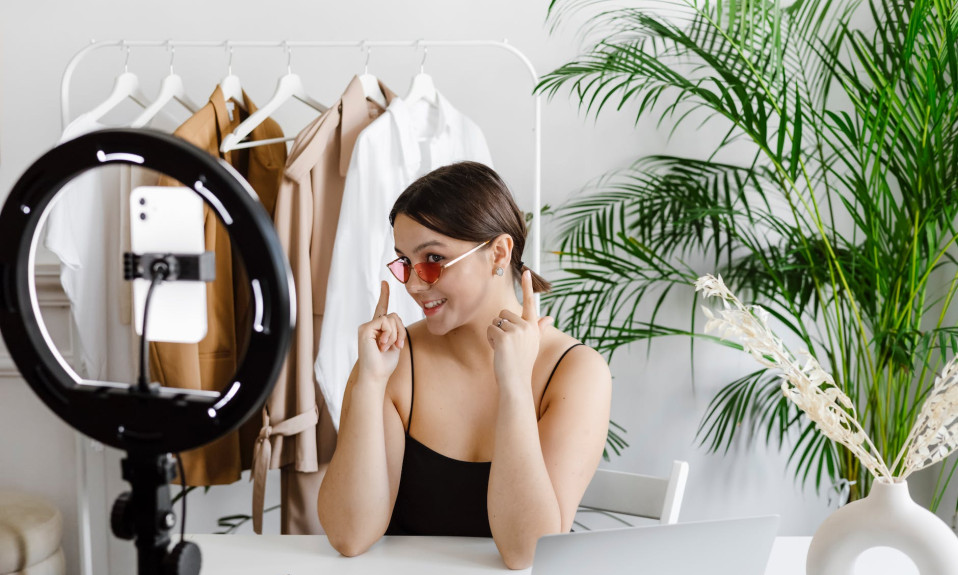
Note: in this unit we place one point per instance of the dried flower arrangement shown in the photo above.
(933, 437)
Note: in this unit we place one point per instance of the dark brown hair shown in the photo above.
(468, 201)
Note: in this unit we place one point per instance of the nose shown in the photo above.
(415, 284)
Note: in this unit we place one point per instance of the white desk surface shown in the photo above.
(312, 555)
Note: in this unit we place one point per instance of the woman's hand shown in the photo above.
(515, 339)
(380, 341)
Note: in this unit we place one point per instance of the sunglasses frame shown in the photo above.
(441, 268)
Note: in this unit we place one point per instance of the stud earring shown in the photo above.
(499, 271)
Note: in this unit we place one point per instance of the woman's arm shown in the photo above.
(540, 471)
(358, 492)
(359, 489)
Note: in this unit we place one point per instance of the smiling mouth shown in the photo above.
(434, 304)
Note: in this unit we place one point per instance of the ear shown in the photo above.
(501, 252)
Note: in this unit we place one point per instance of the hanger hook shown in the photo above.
(229, 62)
(422, 63)
(126, 60)
(289, 57)
(369, 50)
(172, 49)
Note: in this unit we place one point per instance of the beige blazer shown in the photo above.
(297, 432)
(211, 363)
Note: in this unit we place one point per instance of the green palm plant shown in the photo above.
(831, 200)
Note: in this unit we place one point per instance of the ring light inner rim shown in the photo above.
(69, 369)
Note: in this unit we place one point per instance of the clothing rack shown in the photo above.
(82, 443)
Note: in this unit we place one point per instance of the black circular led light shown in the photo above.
(167, 420)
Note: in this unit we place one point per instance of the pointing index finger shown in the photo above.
(382, 306)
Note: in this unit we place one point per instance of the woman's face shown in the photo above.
(461, 289)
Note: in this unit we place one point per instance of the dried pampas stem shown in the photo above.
(808, 386)
(935, 433)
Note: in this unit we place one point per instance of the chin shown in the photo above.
(436, 327)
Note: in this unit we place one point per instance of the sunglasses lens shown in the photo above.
(400, 269)
(429, 271)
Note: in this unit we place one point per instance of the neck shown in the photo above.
(469, 343)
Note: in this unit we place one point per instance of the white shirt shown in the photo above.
(406, 142)
(78, 228)
(88, 230)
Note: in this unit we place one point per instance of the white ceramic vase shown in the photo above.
(888, 517)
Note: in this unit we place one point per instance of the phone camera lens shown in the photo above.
(142, 216)
(142, 201)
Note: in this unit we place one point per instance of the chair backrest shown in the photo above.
(639, 495)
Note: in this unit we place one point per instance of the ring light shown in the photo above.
(171, 420)
(147, 421)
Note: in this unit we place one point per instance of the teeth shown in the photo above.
(433, 304)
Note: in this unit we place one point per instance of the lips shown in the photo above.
(428, 311)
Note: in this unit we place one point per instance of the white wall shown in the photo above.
(37, 449)
(653, 396)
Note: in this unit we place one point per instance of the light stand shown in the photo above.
(147, 423)
(145, 515)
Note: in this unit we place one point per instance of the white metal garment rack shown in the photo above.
(82, 443)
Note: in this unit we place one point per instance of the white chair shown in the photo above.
(615, 493)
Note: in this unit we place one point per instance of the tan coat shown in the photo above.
(297, 432)
(211, 363)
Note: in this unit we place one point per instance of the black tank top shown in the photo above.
(439, 495)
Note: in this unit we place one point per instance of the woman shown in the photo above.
(482, 419)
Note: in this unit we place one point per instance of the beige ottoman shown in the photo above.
(30, 533)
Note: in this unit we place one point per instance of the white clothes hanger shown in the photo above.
(230, 84)
(422, 87)
(289, 86)
(126, 86)
(171, 89)
(370, 83)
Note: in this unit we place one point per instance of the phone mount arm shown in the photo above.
(179, 267)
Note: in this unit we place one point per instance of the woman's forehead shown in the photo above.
(412, 237)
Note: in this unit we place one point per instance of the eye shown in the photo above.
(438, 258)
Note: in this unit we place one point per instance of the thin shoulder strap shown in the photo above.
(554, 368)
(412, 383)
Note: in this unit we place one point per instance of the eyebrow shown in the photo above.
(424, 246)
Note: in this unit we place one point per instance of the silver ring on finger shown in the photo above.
(499, 323)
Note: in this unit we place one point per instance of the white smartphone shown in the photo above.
(169, 220)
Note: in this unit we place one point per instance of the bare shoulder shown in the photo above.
(580, 371)
(555, 343)
(399, 387)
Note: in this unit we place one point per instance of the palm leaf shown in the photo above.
(838, 213)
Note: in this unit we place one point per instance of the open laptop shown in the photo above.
(727, 547)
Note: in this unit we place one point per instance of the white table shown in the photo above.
(312, 555)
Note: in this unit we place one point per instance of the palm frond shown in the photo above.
(837, 212)
(753, 403)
